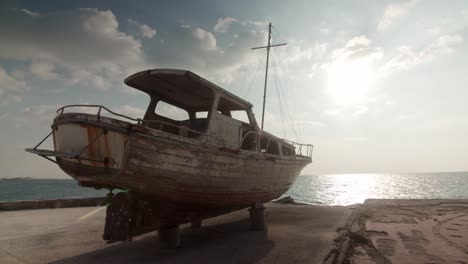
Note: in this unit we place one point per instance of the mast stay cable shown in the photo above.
(241, 92)
(283, 98)
(253, 77)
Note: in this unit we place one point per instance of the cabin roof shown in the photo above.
(183, 88)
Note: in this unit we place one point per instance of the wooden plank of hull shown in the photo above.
(204, 176)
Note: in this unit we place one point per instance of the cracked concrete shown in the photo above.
(412, 231)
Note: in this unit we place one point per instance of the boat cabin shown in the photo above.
(184, 104)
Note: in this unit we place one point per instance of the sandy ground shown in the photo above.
(411, 231)
(296, 234)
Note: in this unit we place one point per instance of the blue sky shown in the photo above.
(376, 86)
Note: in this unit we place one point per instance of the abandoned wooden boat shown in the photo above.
(174, 169)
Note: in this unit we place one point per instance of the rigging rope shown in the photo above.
(241, 92)
(280, 105)
(253, 77)
(282, 94)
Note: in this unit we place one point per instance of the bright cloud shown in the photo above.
(339, 70)
(205, 38)
(223, 24)
(351, 71)
(11, 89)
(86, 45)
(408, 57)
(44, 70)
(393, 12)
(131, 111)
(197, 49)
(144, 30)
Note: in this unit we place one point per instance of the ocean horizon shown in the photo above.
(323, 189)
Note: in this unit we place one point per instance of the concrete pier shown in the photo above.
(379, 231)
(296, 234)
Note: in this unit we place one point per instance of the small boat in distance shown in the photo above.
(174, 169)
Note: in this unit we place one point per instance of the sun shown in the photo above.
(349, 81)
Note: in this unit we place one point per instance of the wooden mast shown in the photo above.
(268, 46)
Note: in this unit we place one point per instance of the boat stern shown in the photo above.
(92, 150)
(97, 150)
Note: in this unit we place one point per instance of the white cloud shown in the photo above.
(360, 110)
(147, 31)
(29, 12)
(197, 49)
(350, 78)
(131, 111)
(144, 30)
(407, 57)
(205, 38)
(350, 73)
(223, 24)
(358, 48)
(309, 124)
(393, 12)
(85, 47)
(434, 31)
(298, 59)
(325, 30)
(35, 115)
(358, 42)
(355, 139)
(11, 88)
(44, 70)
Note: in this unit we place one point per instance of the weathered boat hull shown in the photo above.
(166, 167)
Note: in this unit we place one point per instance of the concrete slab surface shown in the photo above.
(296, 234)
(412, 231)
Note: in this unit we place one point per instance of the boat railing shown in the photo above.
(139, 121)
(301, 149)
(304, 150)
(61, 110)
(164, 123)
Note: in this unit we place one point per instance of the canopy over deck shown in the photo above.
(183, 89)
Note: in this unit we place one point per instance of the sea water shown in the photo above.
(346, 189)
(16, 189)
(326, 189)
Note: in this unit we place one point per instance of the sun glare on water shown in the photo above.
(349, 81)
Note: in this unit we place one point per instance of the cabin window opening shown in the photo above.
(202, 114)
(236, 112)
(269, 145)
(249, 141)
(170, 111)
(273, 148)
(227, 107)
(171, 119)
(288, 151)
(240, 115)
(199, 123)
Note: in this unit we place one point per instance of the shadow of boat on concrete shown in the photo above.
(222, 243)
